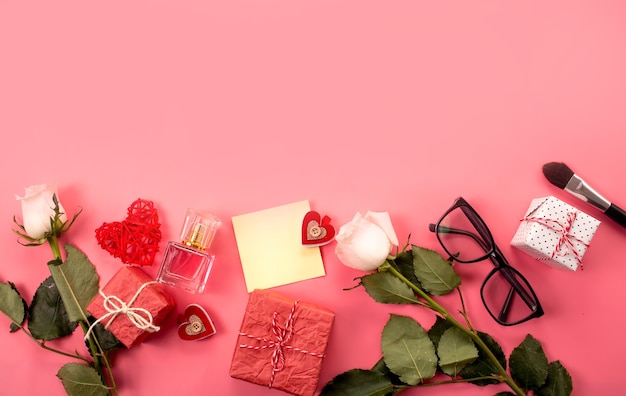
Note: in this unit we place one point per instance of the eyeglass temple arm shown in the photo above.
(504, 311)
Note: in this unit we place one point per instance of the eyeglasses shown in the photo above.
(505, 292)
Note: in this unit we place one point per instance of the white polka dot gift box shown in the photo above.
(555, 232)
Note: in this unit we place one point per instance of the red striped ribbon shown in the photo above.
(566, 240)
(282, 335)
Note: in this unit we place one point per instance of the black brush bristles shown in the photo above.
(557, 173)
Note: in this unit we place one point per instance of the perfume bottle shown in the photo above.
(187, 264)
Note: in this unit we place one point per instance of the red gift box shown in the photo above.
(282, 343)
(131, 305)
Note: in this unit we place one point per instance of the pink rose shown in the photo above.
(38, 210)
(366, 241)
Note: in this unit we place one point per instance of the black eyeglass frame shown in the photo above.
(495, 255)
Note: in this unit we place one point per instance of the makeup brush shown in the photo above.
(564, 178)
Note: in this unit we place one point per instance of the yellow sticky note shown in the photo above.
(270, 247)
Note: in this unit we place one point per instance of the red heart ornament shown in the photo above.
(316, 230)
(195, 324)
(134, 240)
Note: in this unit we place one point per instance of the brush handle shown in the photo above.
(616, 213)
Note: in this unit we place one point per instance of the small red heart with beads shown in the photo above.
(195, 324)
(135, 240)
(316, 230)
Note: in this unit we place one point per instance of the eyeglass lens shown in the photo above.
(504, 302)
(461, 239)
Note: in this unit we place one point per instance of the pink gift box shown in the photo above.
(555, 232)
(281, 343)
(134, 288)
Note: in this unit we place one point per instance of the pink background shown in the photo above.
(235, 106)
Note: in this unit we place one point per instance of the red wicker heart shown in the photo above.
(134, 240)
(195, 324)
(316, 230)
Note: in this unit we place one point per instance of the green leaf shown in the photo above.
(358, 382)
(77, 281)
(483, 366)
(80, 380)
(529, 364)
(505, 393)
(434, 272)
(382, 368)
(456, 350)
(437, 330)
(404, 263)
(558, 383)
(11, 303)
(107, 340)
(385, 287)
(48, 319)
(407, 350)
(16, 326)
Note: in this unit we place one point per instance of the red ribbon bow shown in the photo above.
(566, 240)
(282, 335)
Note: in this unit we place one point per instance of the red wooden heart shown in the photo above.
(195, 324)
(316, 230)
(134, 240)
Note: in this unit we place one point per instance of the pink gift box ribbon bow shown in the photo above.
(566, 240)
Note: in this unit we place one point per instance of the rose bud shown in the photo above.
(38, 211)
(365, 242)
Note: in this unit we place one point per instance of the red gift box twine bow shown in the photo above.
(139, 317)
(282, 335)
(566, 240)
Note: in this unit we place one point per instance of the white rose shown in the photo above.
(38, 210)
(366, 241)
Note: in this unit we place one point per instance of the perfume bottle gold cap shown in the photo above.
(199, 229)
